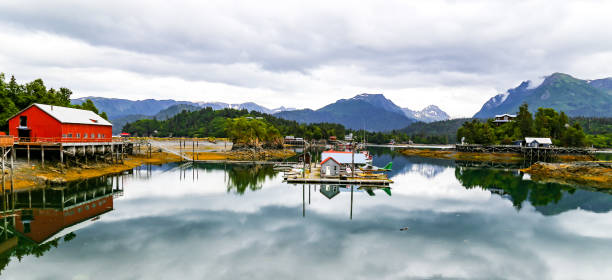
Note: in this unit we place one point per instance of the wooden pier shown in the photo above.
(107, 150)
(311, 174)
(528, 153)
(338, 181)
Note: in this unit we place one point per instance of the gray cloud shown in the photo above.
(290, 49)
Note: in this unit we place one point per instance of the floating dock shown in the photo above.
(337, 181)
(313, 176)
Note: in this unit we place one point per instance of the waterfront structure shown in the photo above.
(330, 167)
(537, 142)
(292, 140)
(346, 158)
(49, 123)
(502, 119)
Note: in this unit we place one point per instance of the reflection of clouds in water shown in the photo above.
(273, 243)
(588, 224)
(169, 229)
(429, 167)
(427, 170)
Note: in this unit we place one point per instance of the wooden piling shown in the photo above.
(42, 155)
(3, 181)
(12, 168)
(61, 154)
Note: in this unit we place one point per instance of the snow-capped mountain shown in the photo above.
(562, 92)
(430, 113)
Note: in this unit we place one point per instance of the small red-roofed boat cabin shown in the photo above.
(49, 123)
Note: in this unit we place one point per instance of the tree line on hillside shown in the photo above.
(598, 130)
(547, 123)
(15, 97)
(218, 123)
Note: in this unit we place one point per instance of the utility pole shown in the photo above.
(352, 159)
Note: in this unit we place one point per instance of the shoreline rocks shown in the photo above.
(590, 173)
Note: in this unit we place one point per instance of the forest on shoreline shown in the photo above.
(15, 97)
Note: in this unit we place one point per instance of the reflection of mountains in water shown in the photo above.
(547, 198)
(402, 164)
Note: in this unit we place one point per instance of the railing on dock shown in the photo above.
(521, 149)
(22, 140)
(529, 153)
(6, 140)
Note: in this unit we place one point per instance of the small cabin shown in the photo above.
(346, 158)
(49, 123)
(330, 167)
(505, 118)
(533, 142)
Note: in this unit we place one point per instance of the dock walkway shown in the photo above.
(337, 181)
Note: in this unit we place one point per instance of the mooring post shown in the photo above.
(42, 154)
(198, 146)
(192, 151)
(12, 168)
(351, 202)
(3, 182)
(28, 145)
(61, 152)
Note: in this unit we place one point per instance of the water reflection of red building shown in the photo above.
(41, 224)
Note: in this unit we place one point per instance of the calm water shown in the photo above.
(440, 220)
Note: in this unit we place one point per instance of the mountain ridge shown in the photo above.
(372, 112)
(559, 91)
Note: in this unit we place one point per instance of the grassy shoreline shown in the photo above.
(29, 176)
(571, 169)
(591, 173)
(32, 176)
(483, 157)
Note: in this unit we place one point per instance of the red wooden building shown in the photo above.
(48, 123)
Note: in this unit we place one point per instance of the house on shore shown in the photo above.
(346, 157)
(330, 167)
(335, 162)
(49, 123)
(502, 119)
(534, 142)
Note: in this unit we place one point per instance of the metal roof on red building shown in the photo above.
(70, 115)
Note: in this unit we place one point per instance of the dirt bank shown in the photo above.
(485, 157)
(246, 155)
(590, 173)
(32, 175)
(454, 155)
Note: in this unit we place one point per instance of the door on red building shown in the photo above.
(23, 133)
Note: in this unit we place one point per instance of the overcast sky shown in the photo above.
(455, 54)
